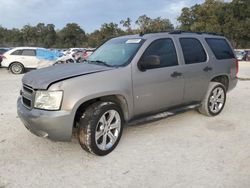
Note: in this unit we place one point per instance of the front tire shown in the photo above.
(17, 68)
(100, 128)
(214, 101)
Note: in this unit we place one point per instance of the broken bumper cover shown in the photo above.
(55, 125)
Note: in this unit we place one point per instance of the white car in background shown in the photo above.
(19, 59)
(71, 51)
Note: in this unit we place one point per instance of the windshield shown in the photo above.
(116, 52)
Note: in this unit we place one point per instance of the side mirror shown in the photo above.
(149, 62)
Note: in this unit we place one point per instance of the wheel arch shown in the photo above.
(120, 100)
(223, 79)
(15, 62)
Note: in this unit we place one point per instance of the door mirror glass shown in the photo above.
(149, 62)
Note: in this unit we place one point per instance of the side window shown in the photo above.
(220, 48)
(17, 52)
(29, 52)
(165, 50)
(192, 50)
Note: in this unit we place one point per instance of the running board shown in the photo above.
(162, 115)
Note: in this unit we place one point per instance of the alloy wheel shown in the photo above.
(108, 130)
(216, 100)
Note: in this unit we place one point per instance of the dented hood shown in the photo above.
(43, 78)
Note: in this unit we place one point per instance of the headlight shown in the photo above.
(48, 100)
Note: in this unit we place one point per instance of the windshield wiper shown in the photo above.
(100, 62)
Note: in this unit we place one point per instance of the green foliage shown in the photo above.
(148, 25)
(72, 35)
(10, 37)
(230, 19)
(127, 24)
(106, 32)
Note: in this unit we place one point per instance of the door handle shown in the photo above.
(206, 69)
(176, 74)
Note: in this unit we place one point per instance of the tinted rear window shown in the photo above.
(193, 51)
(29, 52)
(220, 48)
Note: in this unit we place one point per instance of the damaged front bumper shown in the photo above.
(55, 125)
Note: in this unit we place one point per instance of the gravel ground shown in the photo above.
(186, 150)
(244, 72)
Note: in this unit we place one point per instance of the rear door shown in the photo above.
(15, 56)
(28, 58)
(161, 86)
(196, 68)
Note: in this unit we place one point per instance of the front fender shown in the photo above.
(117, 96)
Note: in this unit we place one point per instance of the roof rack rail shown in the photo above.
(145, 33)
(180, 32)
(200, 33)
(212, 33)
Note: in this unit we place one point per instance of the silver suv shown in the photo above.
(125, 79)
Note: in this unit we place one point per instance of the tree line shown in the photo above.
(72, 35)
(229, 19)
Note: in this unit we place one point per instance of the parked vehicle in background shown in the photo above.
(247, 55)
(71, 51)
(88, 52)
(126, 78)
(17, 60)
(76, 56)
(2, 51)
(67, 58)
(240, 55)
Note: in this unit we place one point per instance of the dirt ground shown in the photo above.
(244, 70)
(186, 150)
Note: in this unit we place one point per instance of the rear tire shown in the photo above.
(100, 128)
(17, 68)
(69, 61)
(214, 101)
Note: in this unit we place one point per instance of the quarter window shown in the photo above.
(17, 52)
(192, 50)
(220, 48)
(165, 50)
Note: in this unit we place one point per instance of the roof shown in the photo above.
(32, 48)
(173, 33)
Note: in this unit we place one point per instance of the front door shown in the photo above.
(160, 86)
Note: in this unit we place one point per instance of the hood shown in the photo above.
(43, 78)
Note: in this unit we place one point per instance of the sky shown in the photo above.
(89, 14)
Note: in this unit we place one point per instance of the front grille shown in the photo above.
(27, 89)
(26, 102)
(27, 96)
